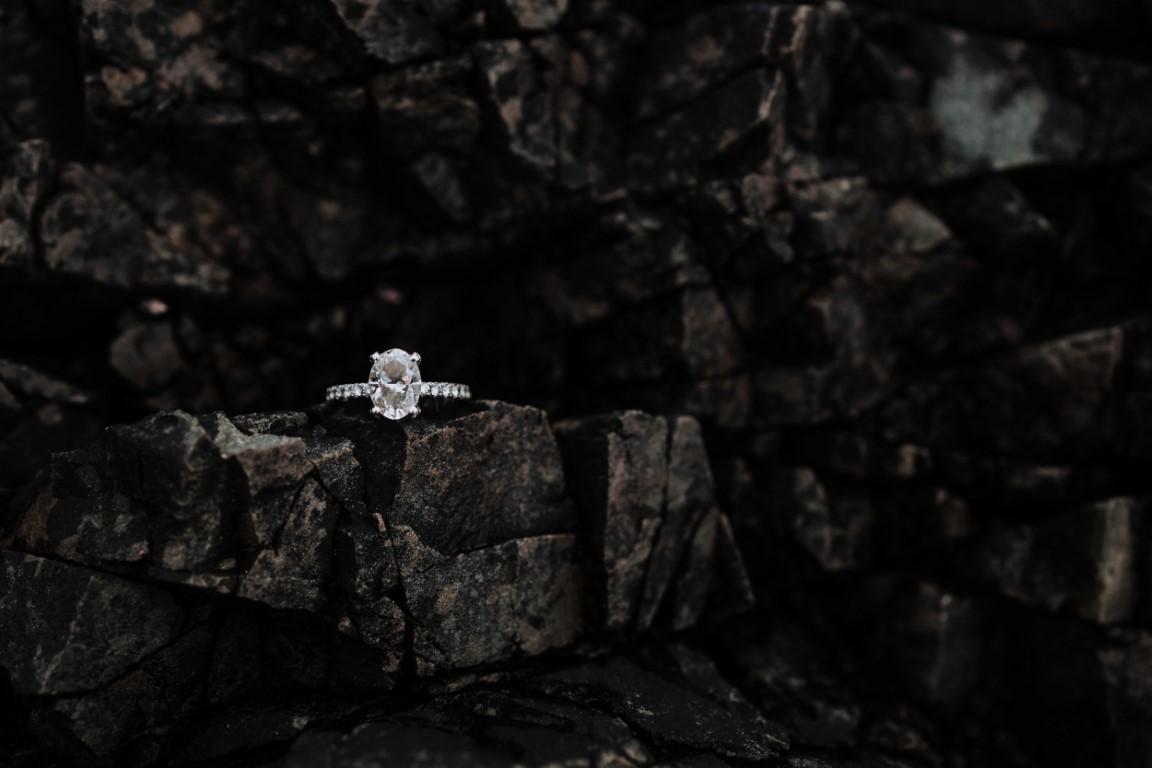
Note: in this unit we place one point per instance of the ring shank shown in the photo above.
(445, 389)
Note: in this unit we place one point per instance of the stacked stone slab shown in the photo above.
(183, 561)
(891, 256)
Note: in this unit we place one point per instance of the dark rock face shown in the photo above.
(40, 413)
(382, 551)
(839, 309)
(1086, 562)
(645, 496)
(630, 709)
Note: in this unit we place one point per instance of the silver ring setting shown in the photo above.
(395, 386)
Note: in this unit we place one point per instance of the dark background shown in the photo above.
(893, 256)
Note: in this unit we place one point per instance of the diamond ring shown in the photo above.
(394, 386)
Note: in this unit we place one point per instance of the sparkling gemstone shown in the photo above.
(395, 384)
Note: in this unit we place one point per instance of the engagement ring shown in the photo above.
(394, 386)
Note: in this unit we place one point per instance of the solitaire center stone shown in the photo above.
(395, 384)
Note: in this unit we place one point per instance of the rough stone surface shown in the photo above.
(70, 630)
(1086, 562)
(322, 552)
(643, 496)
(840, 308)
(633, 710)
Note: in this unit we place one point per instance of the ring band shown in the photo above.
(395, 387)
(427, 389)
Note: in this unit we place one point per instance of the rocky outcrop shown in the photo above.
(200, 554)
(856, 289)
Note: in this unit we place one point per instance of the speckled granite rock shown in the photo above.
(890, 258)
(641, 709)
(39, 413)
(644, 496)
(383, 550)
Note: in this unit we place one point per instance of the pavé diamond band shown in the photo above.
(394, 386)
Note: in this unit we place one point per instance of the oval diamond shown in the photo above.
(395, 384)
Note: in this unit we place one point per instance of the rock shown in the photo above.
(546, 119)
(274, 423)
(155, 57)
(647, 254)
(862, 759)
(496, 475)
(77, 515)
(619, 468)
(1083, 562)
(718, 43)
(879, 270)
(70, 630)
(461, 484)
(293, 570)
(40, 413)
(934, 641)
(340, 550)
(813, 705)
(1055, 395)
(442, 179)
(683, 334)
(733, 592)
(687, 61)
(687, 495)
(1054, 21)
(395, 744)
(28, 175)
(395, 32)
(256, 724)
(980, 119)
(141, 706)
(836, 529)
(146, 356)
(469, 609)
(672, 698)
(994, 216)
(522, 102)
(837, 452)
(186, 478)
(1014, 490)
(691, 144)
(426, 107)
(340, 233)
(645, 493)
(698, 711)
(89, 232)
(1106, 683)
(93, 652)
(40, 90)
(266, 461)
(234, 668)
(528, 15)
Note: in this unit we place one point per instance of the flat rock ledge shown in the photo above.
(183, 562)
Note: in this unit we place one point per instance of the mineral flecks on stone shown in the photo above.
(759, 693)
(630, 709)
(40, 413)
(891, 255)
(1086, 562)
(645, 501)
(380, 552)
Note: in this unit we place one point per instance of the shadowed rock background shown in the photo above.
(813, 345)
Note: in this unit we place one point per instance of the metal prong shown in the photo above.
(376, 411)
(375, 356)
(415, 411)
(416, 358)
